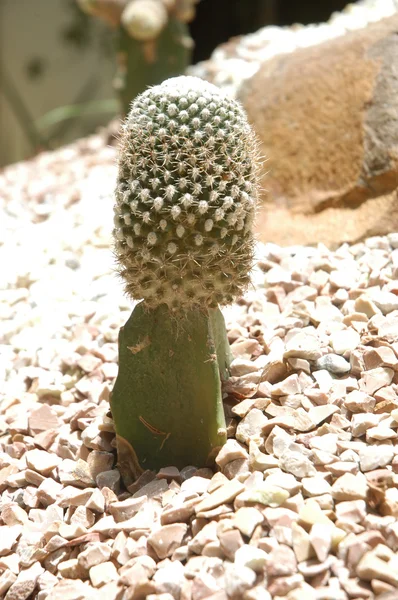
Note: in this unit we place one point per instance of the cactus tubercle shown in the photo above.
(186, 196)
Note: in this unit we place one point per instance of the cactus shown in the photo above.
(185, 203)
(152, 40)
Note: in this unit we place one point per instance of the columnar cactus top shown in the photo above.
(186, 196)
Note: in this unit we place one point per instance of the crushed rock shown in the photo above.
(303, 502)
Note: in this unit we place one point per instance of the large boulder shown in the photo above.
(327, 118)
(323, 100)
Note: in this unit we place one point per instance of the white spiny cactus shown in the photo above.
(186, 196)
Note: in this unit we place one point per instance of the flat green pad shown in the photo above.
(166, 402)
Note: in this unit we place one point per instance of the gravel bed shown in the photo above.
(304, 502)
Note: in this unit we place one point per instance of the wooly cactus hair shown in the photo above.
(186, 196)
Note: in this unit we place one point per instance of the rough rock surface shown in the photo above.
(303, 502)
(322, 100)
(331, 135)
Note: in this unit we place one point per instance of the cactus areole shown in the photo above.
(185, 203)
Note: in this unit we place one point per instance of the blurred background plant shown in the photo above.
(62, 60)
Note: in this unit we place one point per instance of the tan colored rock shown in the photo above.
(103, 573)
(246, 520)
(41, 461)
(232, 450)
(71, 569)
(25, 583)
(7, 578)
(350, 487)
(126, 509)
(223, 494)
(331, 137)
(372, 567)
(95, 554)
(166, 539)
(42, 419)
(281, 561)
(301, 543)
(8, 537)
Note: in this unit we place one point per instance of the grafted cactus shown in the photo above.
(185, 203)
(152, 40)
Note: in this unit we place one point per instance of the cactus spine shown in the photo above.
(185, 203)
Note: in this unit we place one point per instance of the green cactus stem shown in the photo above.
(166, 402)
(185, 202)
(152, 41)
(142, 63)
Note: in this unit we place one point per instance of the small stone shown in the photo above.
(242, 366)
(109, 479)
(75, 473)
(318, 414)
(246, 520)
(284, 480)
(380, 433)
(383, 356)
(315, 486)
(42, 419)
(363, 304)
(375, 457)
(350, 487)
(83, 516)
(204, 586)
(340, 468)
(238, 579)
(99, 461)
(375, 379)
(7, 578)
(126, 509)
(297, 464)
(230, 541)
(102, 574)
(8, 537)
(359, 402)
(167, 539)
(321, 539)
(334, 363)
(311, 513)
(252, 557)
(25, 583)
(290, 385)
(301, 543)
(353, 511)
(198, 485)
(230, 451)
(70, 569)
(251, 425)
(179, 513)
(281, 562)
(371, 567)
(169, 473)
(12, 514)
(386, 301)
(256, 593)
(224, 494)
(304, 344)
(96, 502)
(41, 461)
(269, 495)
(95, 554)
(345, 340)
(48, 491)
(170, 578)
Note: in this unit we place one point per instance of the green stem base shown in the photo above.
(166, 402)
